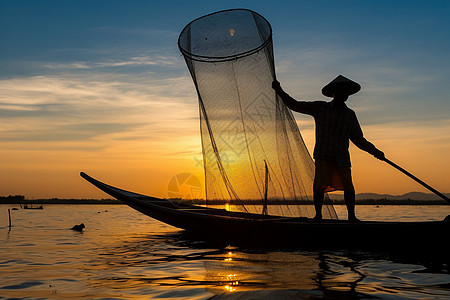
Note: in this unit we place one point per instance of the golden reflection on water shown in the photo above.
(243, 271)
(229, 258)
(137, 264)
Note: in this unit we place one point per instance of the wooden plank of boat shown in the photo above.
(222, 224)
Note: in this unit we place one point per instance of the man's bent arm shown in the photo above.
(358, 139)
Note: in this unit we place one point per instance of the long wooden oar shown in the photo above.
(416, 179)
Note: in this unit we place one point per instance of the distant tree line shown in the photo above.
(12, 199)
(19, 199)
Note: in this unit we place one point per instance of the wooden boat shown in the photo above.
(26, 206)
(220, 224)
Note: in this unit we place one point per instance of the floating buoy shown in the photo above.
(78, 227)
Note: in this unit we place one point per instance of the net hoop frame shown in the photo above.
(204, 58)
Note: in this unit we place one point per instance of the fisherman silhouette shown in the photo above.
(336, 125)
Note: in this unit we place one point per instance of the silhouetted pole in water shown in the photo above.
(9, 215)
(416, 179)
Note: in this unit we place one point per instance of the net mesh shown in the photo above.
(253, 152)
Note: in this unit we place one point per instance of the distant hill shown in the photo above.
(419, 196)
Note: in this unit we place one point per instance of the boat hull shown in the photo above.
(219, 224)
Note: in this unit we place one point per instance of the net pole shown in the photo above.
(266, 188)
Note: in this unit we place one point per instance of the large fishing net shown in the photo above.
(254, 157)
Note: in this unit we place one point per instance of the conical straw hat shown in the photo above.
(342, 83)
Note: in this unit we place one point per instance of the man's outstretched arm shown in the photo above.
(288, 100)
(306, 107)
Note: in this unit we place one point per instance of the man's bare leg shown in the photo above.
(318, 203)
(350, 202)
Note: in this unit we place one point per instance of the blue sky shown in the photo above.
(90, 84)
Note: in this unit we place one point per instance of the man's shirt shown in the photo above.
(336, 124)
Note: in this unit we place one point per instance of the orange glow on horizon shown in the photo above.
(146, 167)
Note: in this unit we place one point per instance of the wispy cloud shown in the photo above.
(74, 66)
(42, 108)
(142, 60)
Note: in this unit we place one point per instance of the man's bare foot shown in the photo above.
(354, 219)
(317, 218)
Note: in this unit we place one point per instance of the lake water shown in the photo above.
(123, 254)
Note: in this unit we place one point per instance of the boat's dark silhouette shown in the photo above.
(259, 229)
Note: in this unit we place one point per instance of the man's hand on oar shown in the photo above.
(379, 154)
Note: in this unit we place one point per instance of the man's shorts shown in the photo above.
(331, 177)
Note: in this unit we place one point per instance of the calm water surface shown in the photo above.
(123, 254)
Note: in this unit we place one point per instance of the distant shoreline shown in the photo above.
(11, 200)
(60, 201)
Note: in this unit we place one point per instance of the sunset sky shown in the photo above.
(100, 87)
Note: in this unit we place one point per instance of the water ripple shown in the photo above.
(114, 259)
